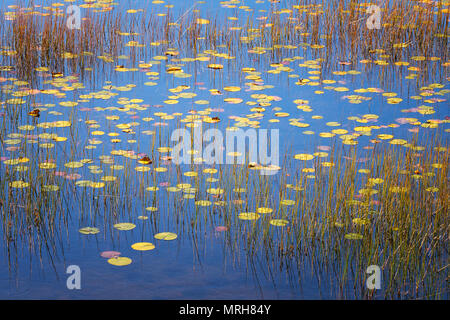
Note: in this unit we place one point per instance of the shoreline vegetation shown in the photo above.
(334, 31)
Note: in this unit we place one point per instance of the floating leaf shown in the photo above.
(89, 230)
(96, 184)
(353, 236)
(124, 226)
(50, 188)
(74, 164)
(83, 183)
(202, 21)
(215, 191)
(143, 246)
(166, 236)
(109, 254)
(203, 203)
(215, 66)
(248, 216)
(264, 210)
(278, 222)
(398, 141)
(360, 221)
(119, 261)
(287, 202)
(19, 184)
(303, 156)
(142, 169)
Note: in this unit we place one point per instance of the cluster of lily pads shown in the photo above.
(114, 257)
(103, 144)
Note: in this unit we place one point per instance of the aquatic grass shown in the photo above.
(345, 21)
(399, 229)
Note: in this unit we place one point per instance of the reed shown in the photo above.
(389, 209)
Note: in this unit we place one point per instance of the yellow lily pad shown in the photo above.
(89, 230)
(166, 236)
(119, 261)
(143, 246)
(278, 222)
(248, 216)
(124, 226)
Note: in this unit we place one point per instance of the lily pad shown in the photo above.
(119, 261)
(124, 226)
(89, 230)
(143, 246)
(166, 236)
(353, 236)
(110, 254)
(278, 222)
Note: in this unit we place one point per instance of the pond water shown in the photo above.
(357, 124)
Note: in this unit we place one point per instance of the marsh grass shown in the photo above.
(406, 233)
(336, 27)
